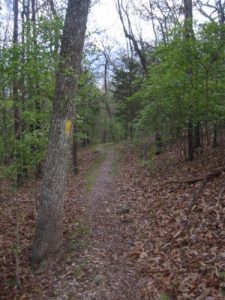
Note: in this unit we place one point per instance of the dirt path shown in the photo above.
(99, 268)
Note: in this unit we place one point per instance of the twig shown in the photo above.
(175, 189)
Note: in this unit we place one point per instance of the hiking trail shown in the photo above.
(100, 270)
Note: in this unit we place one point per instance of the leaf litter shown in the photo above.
(18, 210)
(178, 251)
(172, 247)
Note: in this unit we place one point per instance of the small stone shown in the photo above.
(124, 210)
(143, 255)
(98, 279)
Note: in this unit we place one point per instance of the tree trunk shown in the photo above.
(131, 132)
(190, 140)
(126, 131)
(16, 109)
(215, 133)
(189, 34)
(158, 143)
(36, 86)
(36, 90)
(5, 134)
(49, 231)
(129, 34)
(207, 133)
(197, 136)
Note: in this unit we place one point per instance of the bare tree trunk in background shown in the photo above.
(197, 135)
(36, 79)
(4, 132)
(215, 134)
(190, 139)
(126, 131)
(36, 90)
(52, 7)
(55, 14)
(49, 231)
(22, 85)
(16, 109)
(189, 34)
(128, 32)
(158, 144)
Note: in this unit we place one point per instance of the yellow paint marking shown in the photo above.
(68, 128)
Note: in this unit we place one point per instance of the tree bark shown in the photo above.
(16, 108)
(49, 231)
(190, 140)
(215, 133)
(129, 34)
(189, 34)
(5, 134)
(158, 144)
(197, 136)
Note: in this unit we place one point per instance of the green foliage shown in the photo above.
(33, 63)
(77, 239)
(183, 74)
(87, 108)
(164, 297)
(126, 82)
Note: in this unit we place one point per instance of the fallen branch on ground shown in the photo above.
(205, 179)
(208, 176)
(221, 193)
(198, 193)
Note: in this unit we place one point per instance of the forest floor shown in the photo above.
(133, 230)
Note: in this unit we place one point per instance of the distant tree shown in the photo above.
(125, 83)
(138, 45)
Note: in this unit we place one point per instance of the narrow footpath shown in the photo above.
(100, 269)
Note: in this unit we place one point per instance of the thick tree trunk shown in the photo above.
(48, 236)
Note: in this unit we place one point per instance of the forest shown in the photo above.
(112, 149)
